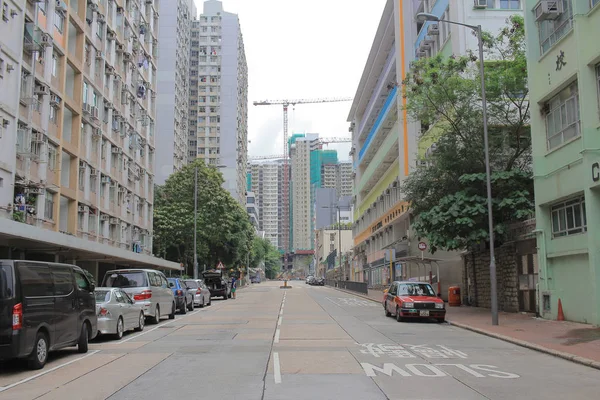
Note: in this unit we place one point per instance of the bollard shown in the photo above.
(285, 285)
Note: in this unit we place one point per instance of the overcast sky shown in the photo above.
(303, 49)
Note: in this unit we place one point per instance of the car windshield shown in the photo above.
(416, 289)
(126, 280)
(102, 296)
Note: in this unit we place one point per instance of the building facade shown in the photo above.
(252, 209)
(218, 105)
(328, 241)
(564, 83)
(78, 88)
(265, 180)
(173, 88)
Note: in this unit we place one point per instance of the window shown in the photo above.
(444, 27)
(598, 79)
(569, 218)
(5, 12)
(504, 4)
(562, 120)
(49, 205)
(43, 5)
(82, 281)
(593, 3)
(59, 21)
(36, 280)
(552, 30)
(54, 115)
(63, 281)
(54, 64)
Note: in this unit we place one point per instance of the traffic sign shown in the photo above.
(220, 265)
(422, 246)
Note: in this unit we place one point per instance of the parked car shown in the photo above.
(44, 307)
(184, 297)
(202, 293)
(217, 284)
(413, 300)
(117, 312)
(319, 282)
(147, 287)
(308, 278)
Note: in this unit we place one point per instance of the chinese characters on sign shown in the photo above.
(410, 351)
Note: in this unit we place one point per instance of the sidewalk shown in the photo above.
(569, 340)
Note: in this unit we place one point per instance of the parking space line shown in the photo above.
(12, 385)
(277, 333)
(281, 312)
(279, 321)
(276, 368)
(156, 327)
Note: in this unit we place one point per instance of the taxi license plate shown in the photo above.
(424, 313)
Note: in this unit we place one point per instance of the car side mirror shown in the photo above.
(92, 287)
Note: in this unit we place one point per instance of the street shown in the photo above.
(301, 343)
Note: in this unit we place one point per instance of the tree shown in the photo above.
(264, 251)
(224, 232)
(448, 196)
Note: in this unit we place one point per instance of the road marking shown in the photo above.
(276, 368)
(277, 332)
(281, 312)
(12, 385)
(279, 321)
(155, 328)
(431, 370)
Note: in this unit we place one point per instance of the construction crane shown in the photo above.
(319, 141)
(286, 191)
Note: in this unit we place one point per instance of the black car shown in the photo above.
(44, 307)
(217, 284)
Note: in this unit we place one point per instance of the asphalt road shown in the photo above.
(300, 343)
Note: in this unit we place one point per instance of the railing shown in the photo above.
(359, 287)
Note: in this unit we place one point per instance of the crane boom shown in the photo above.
(286, 169)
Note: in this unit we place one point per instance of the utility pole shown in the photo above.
(196, 221)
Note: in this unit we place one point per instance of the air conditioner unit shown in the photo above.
(46, 40)
(93, 7)
(87, 108)
(106, 179)
(93, 172)
(421, 53)
(114, 221)
(122, 189)
(109, 70)
(82, 209)
(100, 19)
(104, 217)
(116, 150)
(548, 10)
(41, 89)
(126, 57)
(480, 4)
(60, 6)
(120, 10)
(95, 112)
(149, 1)
(111, 35)
(82, 164)
(37, 137)
(433, 29)
(120, 48)
(99, 55)
(96, 133)
(54, 100)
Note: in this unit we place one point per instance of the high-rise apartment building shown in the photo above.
(218, 105)
(265, 180)
(173, 87)
(77, 110)
(337, 176)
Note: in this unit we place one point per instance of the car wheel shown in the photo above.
(225, 297)
(203, 302)
(82, 344)
(387, 313)
(39, 355)
(120, 329)
(183, 308)
(141, 323)
(172, 315)
(191, 305)
(398, 316)
(209, 301)
(156, 318)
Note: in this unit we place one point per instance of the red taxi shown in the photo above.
(413, 300)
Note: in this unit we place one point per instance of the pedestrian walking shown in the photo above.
(233, 286)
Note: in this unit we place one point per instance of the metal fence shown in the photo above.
(359, 287)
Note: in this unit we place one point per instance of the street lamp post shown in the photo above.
(195, 221)
(493, 283)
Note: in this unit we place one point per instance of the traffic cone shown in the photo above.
(561, 315)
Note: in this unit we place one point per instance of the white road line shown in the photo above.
(276, 368)
(277, 333)
(279, 321)
(90, 353)
(281, 312)
(155, 328)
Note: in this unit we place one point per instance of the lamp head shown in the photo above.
(422, 17)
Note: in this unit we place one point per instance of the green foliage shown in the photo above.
(448, 196)
(224, 232)
(264, 251)
(18, 216)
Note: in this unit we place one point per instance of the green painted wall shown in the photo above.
(387, 179)
(391, 141)
(569, 267)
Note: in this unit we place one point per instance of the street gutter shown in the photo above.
(532, 346)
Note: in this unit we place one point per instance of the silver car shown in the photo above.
(117, 312)
(146, 287)
(201, 292)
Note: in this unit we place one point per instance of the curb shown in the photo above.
(532, 346)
